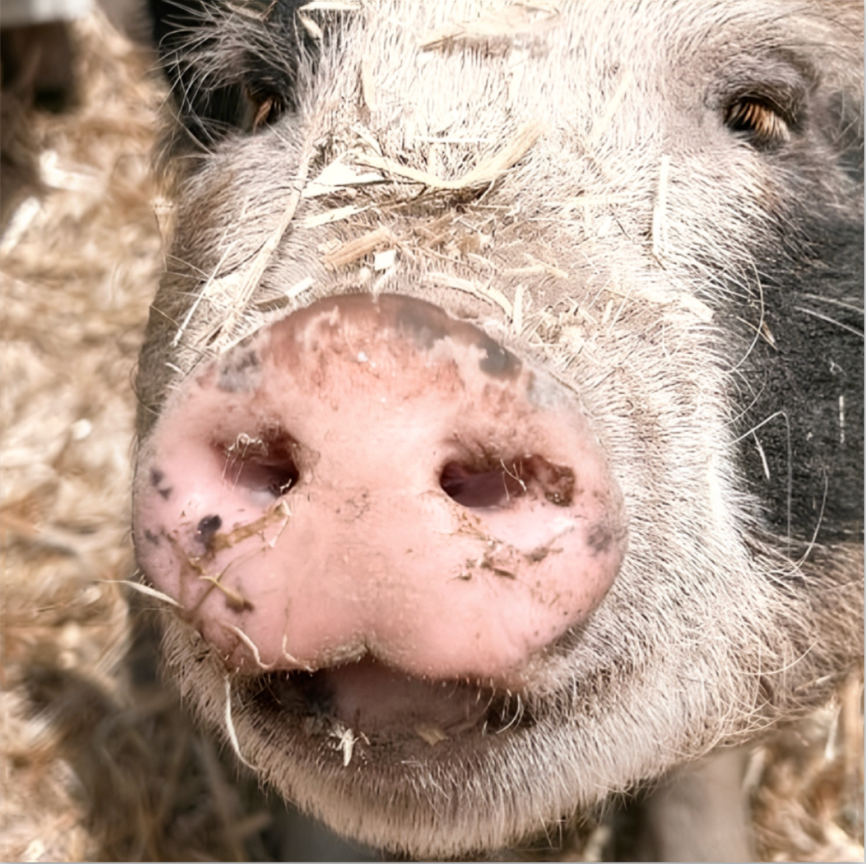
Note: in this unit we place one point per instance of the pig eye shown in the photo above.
(265, 108)
(762, 122)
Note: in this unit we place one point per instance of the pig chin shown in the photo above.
(379, 514)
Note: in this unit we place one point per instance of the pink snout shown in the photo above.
(372, 479)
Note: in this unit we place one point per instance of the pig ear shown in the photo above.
(232, 67)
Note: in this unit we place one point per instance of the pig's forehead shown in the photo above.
(397, 38)
(441, 88)
(470, 68)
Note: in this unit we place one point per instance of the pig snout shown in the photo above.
(372, 480)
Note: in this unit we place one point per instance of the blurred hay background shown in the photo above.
(97, 761)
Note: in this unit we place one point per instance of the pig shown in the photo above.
(500, 428)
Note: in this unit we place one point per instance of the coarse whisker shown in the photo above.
(200, 296)
(812, 543)
(146, 590)
(842, 326)
(833, 302)
(251, 645)
(759, 327)
(790, 461)
(230, 726)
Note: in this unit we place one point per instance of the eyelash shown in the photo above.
(267, 109)
(764, 124)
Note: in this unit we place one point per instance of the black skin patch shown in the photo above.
(599, 539)
(156, 480)
(239, 371)
(428, 324)
(207, 528)
(807, 390)
(151, 537)
(498, 362)
(424, 322)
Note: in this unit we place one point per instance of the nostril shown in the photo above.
(488, 484)
(262, 463)
(474, 486)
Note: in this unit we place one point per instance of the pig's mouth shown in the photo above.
(375, 704)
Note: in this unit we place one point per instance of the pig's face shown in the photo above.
(501, 408)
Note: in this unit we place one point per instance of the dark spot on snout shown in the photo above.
(156, 478)
(424, 322)
(537, 555)
(599, 539)
(497, 361)
(207, 528)
(427, 324)
(151, 537)
(239, 372)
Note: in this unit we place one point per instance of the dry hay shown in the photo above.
(98, 761)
